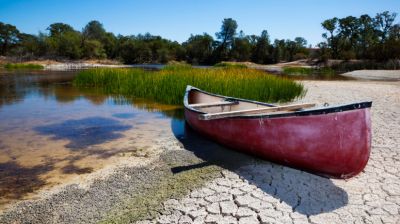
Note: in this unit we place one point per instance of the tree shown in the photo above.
(364, 37)
(94, 37)
(69, 45)
(300, 42)
(331, 26)
(94, 30)
(278, 52)
(301, 48)
(368, 36)
(93, 49)
(225, 37)
(349, 29)
(227, 33)
(241, 48)
(349, 32)
(64, 41)
(199, 48)
(57, 29)
(291, 48)
(261, 52)
(384, 22)
(28, 46)
(8, 37)
(110, 45)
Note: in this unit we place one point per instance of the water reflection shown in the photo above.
(50, 130)
(85, 132)
(15, 85)
(124, 115)
(17, 180)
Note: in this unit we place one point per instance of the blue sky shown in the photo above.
(177, 19)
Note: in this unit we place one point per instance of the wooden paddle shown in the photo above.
(220, 115)
(213, 104)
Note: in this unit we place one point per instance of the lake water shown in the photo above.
(51, 132)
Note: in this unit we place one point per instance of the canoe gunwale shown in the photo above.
(306, 112)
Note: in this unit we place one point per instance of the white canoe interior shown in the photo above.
(217, 107)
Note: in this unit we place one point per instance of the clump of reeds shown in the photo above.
(22, 66)
(168, 85)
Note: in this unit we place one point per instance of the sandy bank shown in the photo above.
(385, 75)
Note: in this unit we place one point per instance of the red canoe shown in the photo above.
(330, 141)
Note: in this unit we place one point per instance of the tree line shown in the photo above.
(61, 41)
(364, 37)
(346, 38)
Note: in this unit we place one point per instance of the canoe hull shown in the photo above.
(335, 144)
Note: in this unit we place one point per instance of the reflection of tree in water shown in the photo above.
(15, 85)
(10, 91)
(67, 94)
(172, 111)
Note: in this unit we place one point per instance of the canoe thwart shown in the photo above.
(212, 116)
(213, 104)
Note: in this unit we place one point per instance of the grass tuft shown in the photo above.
(168, 85)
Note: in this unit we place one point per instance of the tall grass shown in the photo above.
(22, 66)
(168, 85)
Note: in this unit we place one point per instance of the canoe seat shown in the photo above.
(213, 104)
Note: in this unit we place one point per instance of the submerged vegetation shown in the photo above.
(168, 85)
(22, 66)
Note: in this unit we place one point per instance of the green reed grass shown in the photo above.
(168, 85)
(22, 66)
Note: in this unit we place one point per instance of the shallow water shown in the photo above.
(51, 131)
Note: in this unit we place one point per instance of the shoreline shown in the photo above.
(159, 191)
(370, 75)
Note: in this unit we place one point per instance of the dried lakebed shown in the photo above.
(187, 178)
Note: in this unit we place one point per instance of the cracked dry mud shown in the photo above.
(248, 190)
(264, 192)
